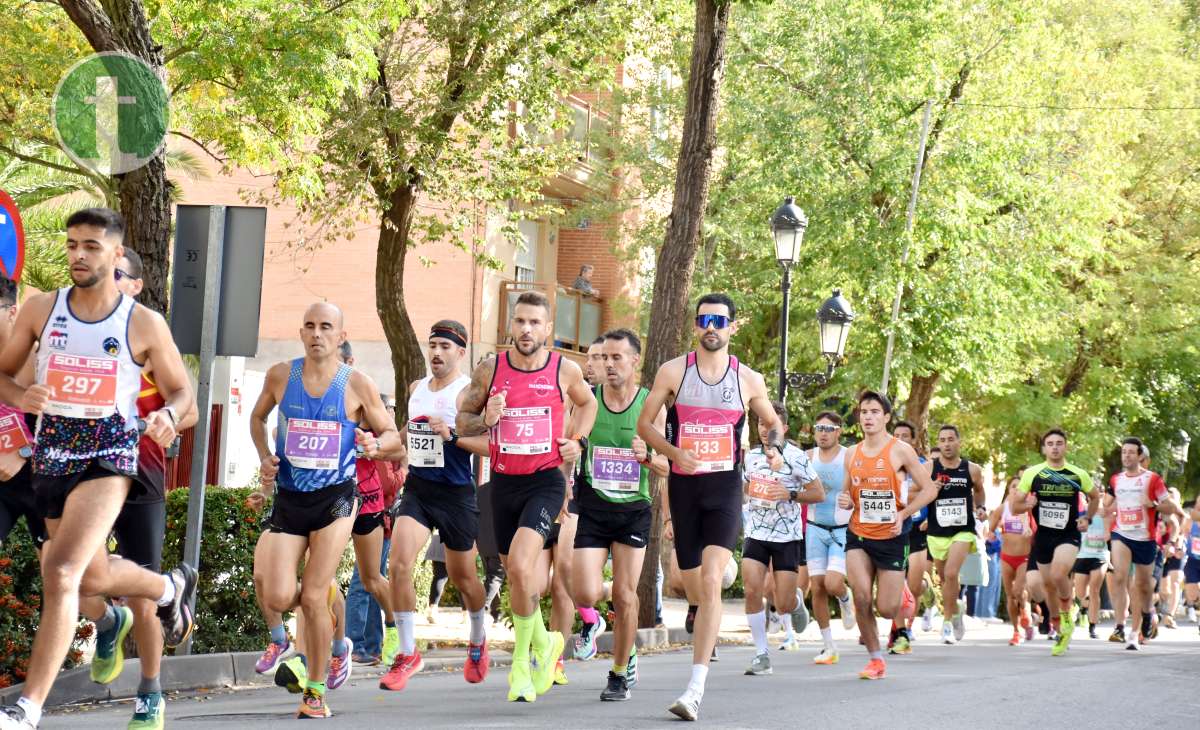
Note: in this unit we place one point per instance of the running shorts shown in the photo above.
(1143, 551)
(706, 509)
(526, 500)
(939, 547)
(602, 528)
(450, 509)
(889, 554)
(780, 556)
(825, 549)
(303, 513)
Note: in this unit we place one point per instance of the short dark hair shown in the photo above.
(1134, 441)
(106, 218)
(780, 410)
(1053, 432)
(903, 424)
(829, 416)
(135, 263)
(598, 341)
(8, 291)
(586, 268)
(534, 299)
(879, 398)
(949, 427)
(345, 351)
(718, 298)
(622, 333)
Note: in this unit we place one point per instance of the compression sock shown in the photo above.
(279, 635)
(148, 685)
(758, 630)
(540, 638)
(477, 625)
(405, 626)
(699, 676)
(589, 615)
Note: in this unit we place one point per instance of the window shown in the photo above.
(524, 275)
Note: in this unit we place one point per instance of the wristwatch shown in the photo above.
(25, 451)
(453, 438)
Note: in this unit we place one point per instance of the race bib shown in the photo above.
(1196, 545)
(615, 469)
(12, 433)
(1014, 526)
(525, 431)
(425, 446)
(313, 444)
(1053, 515)
(760, 488)
(877, 506)
(1131, 518)
(1094, 542)
(952, 512)
(712, 445)
(81, 387)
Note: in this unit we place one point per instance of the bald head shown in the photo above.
(323, 331)
(325, 312)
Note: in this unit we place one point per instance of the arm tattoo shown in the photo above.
(470, 415)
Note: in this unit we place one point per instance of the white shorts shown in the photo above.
(825, 550)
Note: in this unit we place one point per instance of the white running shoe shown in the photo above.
(846, 604)
(687, 707)
(927, 620)
(948, 636)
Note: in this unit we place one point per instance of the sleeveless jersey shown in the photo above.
(525, 439)
(953, 511)
(315, 439)
(92, 413)
(1011, 524)
(429, 457)
(833, 477)
(152, 458)
(1194, 542)
(1095, 542)
(1057, 508)
(611, 478)
(707, 418)
(874, 492)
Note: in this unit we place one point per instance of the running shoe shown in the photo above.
(1191, 614)
(927, 620)
(110, 650)
(1132, 645)
(542, 668)
(12, 717)
(560, 673)
(366, 660)
(617, 689)
(585, 645)
(1066, 629)
(339, 667)
(520, 683)
(1168, 621)
(875, 669)
(176, 616)
(1118, 635)
(846, 606)
(292, 675)
(1016, 638)
(892, 636)
(1092, 632)
(908, 603)
(631, 669)
(799, 614)
(792, 644)
(1082, 620)
(1029, 632)
(948, 633)
(774, 625)
(687, 707)
(902, 645)
(716, 655)
(274, 655)
(1025, 622)
(391, 644)
(960, 629)
(760, 665)
(826, 657)
(689, 621)
(475, 670)
(149, 712)
(404, 666)
(312, 706)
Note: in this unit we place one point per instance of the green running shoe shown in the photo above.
(110, 649)
(292, 675)
(149, 712)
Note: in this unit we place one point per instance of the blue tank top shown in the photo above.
(1194, 542)
(833, 476)
(314, 439)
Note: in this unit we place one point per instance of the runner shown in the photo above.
(613, 492)
(900, 636)
(1174, 547)
(312, 471)
(1137, 494)
(709, 392)
(439, 494)
(93, 342)
(593, 372)
(920, 569)
(774, 541)
(519, 398)
(16, 494)
(1191, 568)
(1016, 541)
(1090, 566)
(876, 549)
(825, 536)
(1050, 489)
(952, 516)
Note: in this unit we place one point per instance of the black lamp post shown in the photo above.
(834, 316)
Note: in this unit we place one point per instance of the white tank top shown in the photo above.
(88, 365)
(429, 457)
(442, 403)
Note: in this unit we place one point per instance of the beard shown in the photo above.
(713, 346)
(92, 280)
(528, 348)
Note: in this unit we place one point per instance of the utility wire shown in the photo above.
(1080, 108)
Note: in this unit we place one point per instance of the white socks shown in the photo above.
(785, 620)
(758, 629)
(699, 675)
(477, 626)
(33, 712)
(405, 626)
(168, 594)
(827, 638)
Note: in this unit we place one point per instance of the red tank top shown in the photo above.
(152, 459)
(525, 440)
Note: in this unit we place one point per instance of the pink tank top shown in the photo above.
(707, 418)
(525, 440)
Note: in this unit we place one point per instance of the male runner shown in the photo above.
(876, 547)
(900, 638)
(313, 472)
(774, 541)
(439, 494)
(613, 493)
(519, 399)
(93, 342)
(593, 372)
(16, 492)
(1138, 494)
(952, 516)
(825, 537)
(1051, 490)
(709, 393)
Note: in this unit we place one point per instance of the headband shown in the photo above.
(448, 334)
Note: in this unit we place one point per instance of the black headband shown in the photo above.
(448, 334)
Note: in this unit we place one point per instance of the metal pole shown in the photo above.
(786, 287)
(908, 226)
(208, 351)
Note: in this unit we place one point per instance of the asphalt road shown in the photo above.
(981, 683)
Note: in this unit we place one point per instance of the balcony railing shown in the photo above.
(577, 316)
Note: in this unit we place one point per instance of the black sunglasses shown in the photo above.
(118, 275)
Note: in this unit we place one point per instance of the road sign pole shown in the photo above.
(208, 350)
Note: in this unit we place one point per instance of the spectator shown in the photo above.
(346, 353)
(583, 282)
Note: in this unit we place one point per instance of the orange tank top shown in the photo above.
(875, 493)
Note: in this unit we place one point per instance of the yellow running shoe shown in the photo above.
(520, 683)
(543, 667)
(560, 673)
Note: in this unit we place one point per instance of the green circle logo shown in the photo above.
(110, 113)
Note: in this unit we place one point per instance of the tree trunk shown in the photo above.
(145, 193)
(669, 321)
(407, 360)
(916, 408)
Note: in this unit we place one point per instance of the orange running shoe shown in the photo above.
(475, 670)
(312, 706)
(1016, 638)
(908, 604)
(403, 667)
(875, 669)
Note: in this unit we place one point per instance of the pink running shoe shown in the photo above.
(339, 667)
(273, 656)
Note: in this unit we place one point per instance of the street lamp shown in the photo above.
(834, 316)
